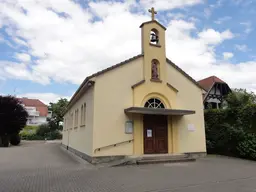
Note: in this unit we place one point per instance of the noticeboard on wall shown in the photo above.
(129, 127)
(191, 127)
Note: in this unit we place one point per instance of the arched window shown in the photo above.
(155, 69)
(154, 103)
(154, 37)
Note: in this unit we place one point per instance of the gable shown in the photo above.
(208, 82)
(88, 82)
(185, 74)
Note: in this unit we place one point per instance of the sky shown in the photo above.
(47, 48)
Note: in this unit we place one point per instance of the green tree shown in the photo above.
(239, 98)
(58, 109)
(13, 118)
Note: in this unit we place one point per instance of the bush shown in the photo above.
(4, 141)
(247, 147)
(13, 116)
(31, 137)
(232, 131)
(15, 139)
(28, 130)
(41, 133)
(43, 130)
(54, 135)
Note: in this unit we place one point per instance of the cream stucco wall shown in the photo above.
(189, 97)
(81, 138)
(113, 93)
(153, 52)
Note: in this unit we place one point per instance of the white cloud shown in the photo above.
(222, 19)
(67, 49)
(248, 27)
(227, 55)
(23, 57)
(166, 5)
(207, 12)
(242, 2)
(20, 41)
(176, 15)
(242, 48)
(20, 71)
(210, 36)
(218, 4)
(46, 98)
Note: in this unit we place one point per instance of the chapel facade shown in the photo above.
(143, 105)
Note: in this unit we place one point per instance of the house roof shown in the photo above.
(31, 102)
(89, 82)
(208, 82)
(39, 105)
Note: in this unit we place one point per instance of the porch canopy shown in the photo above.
(158, 111)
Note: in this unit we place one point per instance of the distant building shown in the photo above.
(37, 111)
(215, 91)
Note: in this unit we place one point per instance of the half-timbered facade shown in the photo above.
(215, 92)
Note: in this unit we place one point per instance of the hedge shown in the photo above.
(232, 131)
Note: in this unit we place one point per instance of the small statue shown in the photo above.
(154, 70)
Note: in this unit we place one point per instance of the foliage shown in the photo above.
(53, 125)
(58, 109)
(41, 132)
(33, 136)
(13, 116)
(232, 131)
(14, 139)
(4, 141)
(239, 98)
(54, 135)
(247, 147)
(29, 130)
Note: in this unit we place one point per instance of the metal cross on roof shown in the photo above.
(153, 12)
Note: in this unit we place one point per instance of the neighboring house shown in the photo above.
(143, 105)
(215, 91)
(37, 111)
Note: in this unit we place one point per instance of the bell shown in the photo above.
(154, 38)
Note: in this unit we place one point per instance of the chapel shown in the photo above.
(144, 105)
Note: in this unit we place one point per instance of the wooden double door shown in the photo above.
(155, 134)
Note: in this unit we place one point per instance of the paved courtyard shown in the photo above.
(45, 167)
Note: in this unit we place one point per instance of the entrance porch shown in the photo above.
(155, 130)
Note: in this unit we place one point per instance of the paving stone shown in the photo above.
(46, 167)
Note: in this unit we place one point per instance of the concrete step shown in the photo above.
(164, 157)
(170, 160)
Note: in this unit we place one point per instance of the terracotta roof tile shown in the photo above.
(40, 106)
(209, 81)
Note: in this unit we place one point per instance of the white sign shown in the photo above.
(128, 127)
(191, 127)
(149, 133)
